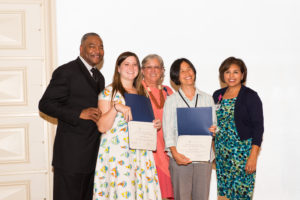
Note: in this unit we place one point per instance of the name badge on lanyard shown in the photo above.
(218, 104)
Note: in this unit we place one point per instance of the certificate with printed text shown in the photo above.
(195, 147)
(142, 135)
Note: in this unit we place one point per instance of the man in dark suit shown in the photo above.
(72, 97)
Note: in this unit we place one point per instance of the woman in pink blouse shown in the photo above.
(153, 74)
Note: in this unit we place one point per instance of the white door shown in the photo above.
(26, 59)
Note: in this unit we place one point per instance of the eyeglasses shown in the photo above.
(152, 67)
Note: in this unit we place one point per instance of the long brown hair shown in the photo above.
(117, 84)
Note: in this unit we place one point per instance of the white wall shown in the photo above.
(264, 33)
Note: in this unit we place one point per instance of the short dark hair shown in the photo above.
(175, 69)
(226, 65)
(85, 36)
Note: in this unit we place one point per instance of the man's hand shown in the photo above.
(90, 114)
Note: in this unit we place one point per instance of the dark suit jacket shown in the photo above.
(71, 90)
(248, 114)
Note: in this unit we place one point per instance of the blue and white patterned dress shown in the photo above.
(122, 173)
(231, 156)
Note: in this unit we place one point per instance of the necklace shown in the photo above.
(161, 97)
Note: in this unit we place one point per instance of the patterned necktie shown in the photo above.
(96, 74)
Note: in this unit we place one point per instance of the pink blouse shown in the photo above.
(160, 156)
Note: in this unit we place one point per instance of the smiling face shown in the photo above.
(91, 50)
(233, 76)
(152, 72)
(186, 74)
(129, 68)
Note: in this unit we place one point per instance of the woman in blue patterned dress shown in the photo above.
(122, 173)
(240, 123)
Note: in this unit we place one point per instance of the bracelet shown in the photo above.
(115, 106)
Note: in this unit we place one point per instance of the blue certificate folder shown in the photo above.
(141, 107)
(194, 121)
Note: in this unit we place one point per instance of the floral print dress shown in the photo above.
(122, 173)
(231, 156)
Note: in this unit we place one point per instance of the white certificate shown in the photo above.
(195, 147)
(142, 135)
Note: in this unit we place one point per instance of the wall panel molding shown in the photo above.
(13, 86)
(22, 58)
(19, 190)
(22, 1)
(14, 144)
(27, 59)
(13, 36)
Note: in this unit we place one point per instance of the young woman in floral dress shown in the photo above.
(123, 173)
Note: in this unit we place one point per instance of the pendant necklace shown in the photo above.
(161, 97)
